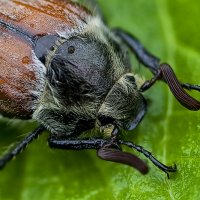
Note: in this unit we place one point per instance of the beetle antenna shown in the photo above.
(166, 73)
(107, 152)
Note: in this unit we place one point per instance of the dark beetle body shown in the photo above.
(58, 65)
(63, 67)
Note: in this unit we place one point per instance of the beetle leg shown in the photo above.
(75, 144)
(166, 74)
(20, 146)
(109, 150)
(145, 57)
(106, 150)
(189, 86)
(146, 153)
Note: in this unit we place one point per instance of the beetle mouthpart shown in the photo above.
(107, 129)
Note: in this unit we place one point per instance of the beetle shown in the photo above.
(63, 67)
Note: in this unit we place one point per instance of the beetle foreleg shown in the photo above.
(76, 144)
(20, 146)
(107, 150)
(146, 153)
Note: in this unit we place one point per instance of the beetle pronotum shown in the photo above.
(62, 66)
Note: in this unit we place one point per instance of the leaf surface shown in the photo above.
(170, 30)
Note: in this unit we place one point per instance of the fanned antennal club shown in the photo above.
(166, 73)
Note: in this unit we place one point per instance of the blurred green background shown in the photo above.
(169, 29)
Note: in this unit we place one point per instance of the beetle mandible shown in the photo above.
(63, 67)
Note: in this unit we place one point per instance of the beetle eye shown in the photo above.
(71, 49)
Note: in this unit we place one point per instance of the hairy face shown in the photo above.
(87, 73)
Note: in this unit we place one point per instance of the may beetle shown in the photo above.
(62, 66)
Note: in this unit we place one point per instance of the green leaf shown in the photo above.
(170, 30)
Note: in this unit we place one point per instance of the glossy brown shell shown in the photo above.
(22, 22)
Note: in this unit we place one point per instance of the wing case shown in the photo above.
(22, 23)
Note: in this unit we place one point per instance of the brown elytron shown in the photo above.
(22, 23)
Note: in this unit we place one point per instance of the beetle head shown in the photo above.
(89, 76)
(124, 106)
